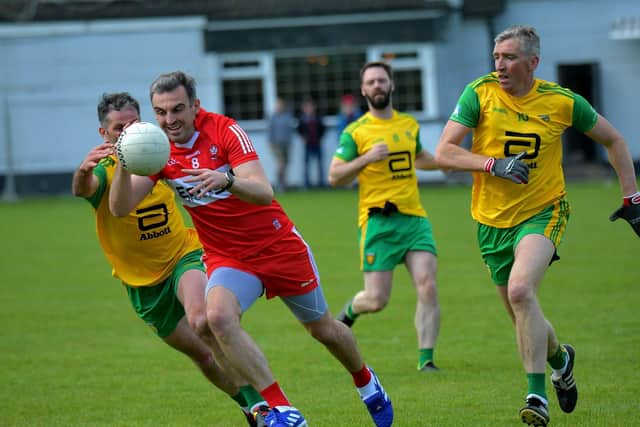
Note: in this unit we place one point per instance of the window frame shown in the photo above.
(424, 61)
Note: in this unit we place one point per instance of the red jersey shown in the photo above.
(226, 225)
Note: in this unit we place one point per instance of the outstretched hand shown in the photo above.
(630, 212)
(511, 168)
(95, 155)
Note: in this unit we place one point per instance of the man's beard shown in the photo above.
(379, 103)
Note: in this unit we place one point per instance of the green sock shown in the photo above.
(536, 384)
(424, 355)
(240, 399)
(248, 397)
(349, 311)
(559, 359)
(251, 396)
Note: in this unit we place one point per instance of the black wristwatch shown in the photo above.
(230, 177)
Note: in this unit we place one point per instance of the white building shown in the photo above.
(58, 58)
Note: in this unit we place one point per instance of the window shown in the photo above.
(322, 75)
(414, 77)
(243, 99)
(243, 85)
(251, 81)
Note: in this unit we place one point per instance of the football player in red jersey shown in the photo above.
(251, 246)
(163, 275)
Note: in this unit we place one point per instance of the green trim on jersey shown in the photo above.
(487, 78)
(393, 179)
(545, 87)
(101, 173)
(467, 110)
(506, 125)
(585, 116)
(347, 147)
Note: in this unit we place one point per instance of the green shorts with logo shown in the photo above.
(497, 245)
(385, 240)
(158, 306)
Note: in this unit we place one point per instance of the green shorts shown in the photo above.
(497, 245)
(158, 306)
(385, 240)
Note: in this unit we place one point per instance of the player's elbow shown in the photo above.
(265, 197)
(441, 156)
(336, 179)
(263, 201)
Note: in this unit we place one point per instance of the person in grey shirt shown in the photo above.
(281, 126)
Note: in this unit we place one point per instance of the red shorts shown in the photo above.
(285, 268)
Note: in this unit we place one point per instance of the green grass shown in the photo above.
(73, 353)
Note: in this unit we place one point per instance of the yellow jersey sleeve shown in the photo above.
(505, 126)
(393, 179)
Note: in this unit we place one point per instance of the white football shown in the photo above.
(143, 148)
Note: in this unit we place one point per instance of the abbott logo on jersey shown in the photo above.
(151, 219)
(154, 234)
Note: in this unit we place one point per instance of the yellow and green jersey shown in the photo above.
(144, 247)
(394, 178)
(503, 126)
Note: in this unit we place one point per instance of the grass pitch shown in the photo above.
(73, 352)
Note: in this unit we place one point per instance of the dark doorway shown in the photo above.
(583, 79)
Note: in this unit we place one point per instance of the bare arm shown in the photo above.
(343, 173)
(604, 133)
(84, 182)
(250, 182)
(127, 191)
(426, 161)
(449, 154)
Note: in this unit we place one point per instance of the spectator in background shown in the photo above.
(349, 112)
(281, 126)
(311, 128)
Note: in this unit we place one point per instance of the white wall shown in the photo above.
(571, 32)
(54, 74)
(577, 31)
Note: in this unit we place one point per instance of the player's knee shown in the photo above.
(378, 301)
(427, 290)
(198, 323)
(220, 323)
(519, 293)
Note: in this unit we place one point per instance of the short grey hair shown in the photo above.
(526, 36)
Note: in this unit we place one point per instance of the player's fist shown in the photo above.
(630, 212)
(511, 168)
(378, 152)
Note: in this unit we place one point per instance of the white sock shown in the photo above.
(368, 390)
